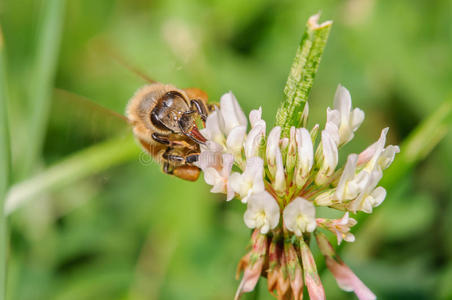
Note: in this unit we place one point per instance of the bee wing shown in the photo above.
(77, 117)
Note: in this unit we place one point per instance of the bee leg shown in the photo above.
(200, 108)
(170, 157)
(192, 158)
(167, 168)
(161, 139)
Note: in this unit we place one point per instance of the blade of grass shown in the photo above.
(302, 73)
(86, 162)
(5, 167)
(43, 74)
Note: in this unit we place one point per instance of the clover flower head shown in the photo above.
(282, 177)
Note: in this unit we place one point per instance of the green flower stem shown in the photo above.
(302, 73)
(41, 82)
(5, 168)
(87, 162)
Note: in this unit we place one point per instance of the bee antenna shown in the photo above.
(104, 47)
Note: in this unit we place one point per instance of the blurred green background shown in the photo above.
(130, 232)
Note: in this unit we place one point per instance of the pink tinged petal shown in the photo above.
(254, 265)
(371, 154)
(231, 113)
(311, 278)
(211, 156)
(345, 278)
(294, 269)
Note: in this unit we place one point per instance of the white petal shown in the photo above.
(234, 142)
(333, 116)
(343, 102)
(280, 178)
(251, 181)
(305, 158)
(262, 212)
(347, 175)
(371, 154)
(387, 156)
(231, 112)
(254, 139)
(272, 149)
(329, 159)
(299, 216)
(379, 195)
(255, 116)
(291, 157)
(212, 131)
(346, 119)
(357, 118)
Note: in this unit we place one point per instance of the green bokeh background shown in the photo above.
(134, 233)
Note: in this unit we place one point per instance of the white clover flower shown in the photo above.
(305, 158)
(231, 114)
(346, 119)
(218, 177)
(288, 176)
(299, 216)
(262, 212)
(251, 181)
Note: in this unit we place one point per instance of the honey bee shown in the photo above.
(164, 119)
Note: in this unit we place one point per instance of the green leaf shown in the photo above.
(43, 75)
(5, 161)
(302, 74)
(87, 162)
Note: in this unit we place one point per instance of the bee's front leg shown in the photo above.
(200, 107)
